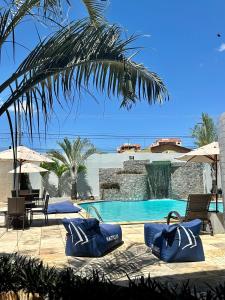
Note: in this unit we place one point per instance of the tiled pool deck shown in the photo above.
(132, 258)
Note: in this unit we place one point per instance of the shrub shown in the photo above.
(110, 185)
(21, 276)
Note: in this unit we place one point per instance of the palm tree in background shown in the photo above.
(73, 58)
(73, 157)
(205, 132)
(58, 169)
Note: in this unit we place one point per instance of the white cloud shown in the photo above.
(147, 35)
(221, 47)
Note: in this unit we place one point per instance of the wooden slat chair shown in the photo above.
(16, 211)
(197, 208)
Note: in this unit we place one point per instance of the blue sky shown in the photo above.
(180, 44)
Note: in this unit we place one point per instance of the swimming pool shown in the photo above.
(146, 210)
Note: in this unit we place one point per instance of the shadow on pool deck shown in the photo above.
(131, 259)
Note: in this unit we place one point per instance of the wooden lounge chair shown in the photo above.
(197, 208)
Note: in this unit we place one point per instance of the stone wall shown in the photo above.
(186, 178)
(132, 186)
(108, 175)
(135, 165)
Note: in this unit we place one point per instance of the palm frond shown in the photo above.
(88, 153)
(11, 16)
(95, 10)
(59, 156)
(67, 148)
(56, 167)
(82, 55)
(205, 132)
(74, 153)
(81, 169)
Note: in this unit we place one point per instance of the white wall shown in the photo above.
(6, 181)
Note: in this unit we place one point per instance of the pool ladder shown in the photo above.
(88, 213)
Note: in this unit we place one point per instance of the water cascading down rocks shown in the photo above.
(159, 179)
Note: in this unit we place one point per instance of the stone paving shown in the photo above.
(132, 258)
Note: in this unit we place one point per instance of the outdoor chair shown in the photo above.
(16, 211)
(89, 238)
(42, 210)
(35, 193)
(27, 195)
(197, 208)
(40, 200)
(176, 242)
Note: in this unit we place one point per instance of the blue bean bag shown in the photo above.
(61, 207)
(89, 238)
(175, 243)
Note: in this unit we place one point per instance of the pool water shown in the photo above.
(146, 210)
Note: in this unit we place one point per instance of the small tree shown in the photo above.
(73, 156)
(204, 132)
(58, 169)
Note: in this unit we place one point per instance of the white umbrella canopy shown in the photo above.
(24, 154)
(28, 168)
(205, 154)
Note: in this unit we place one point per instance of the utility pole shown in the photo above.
(19, 130)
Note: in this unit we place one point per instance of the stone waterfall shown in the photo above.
(159, 179)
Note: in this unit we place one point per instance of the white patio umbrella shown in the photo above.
(23, 154)
(28, 168)
(205, 154)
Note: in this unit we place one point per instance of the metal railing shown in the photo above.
(91, 207)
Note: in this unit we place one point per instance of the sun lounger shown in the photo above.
(197, 208)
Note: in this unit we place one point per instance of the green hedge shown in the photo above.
(31, 278)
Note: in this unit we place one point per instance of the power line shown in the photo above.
(102, 136)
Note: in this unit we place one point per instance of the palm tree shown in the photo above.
(73, 157)
(205, 132)
(58, 169)
(80, 55)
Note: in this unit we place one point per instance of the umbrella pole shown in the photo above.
(18, 176)
(216, 186)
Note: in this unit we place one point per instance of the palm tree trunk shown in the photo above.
(74, 190)
(59, 187)
(74, 182)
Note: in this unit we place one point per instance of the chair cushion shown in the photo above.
(61, 207)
